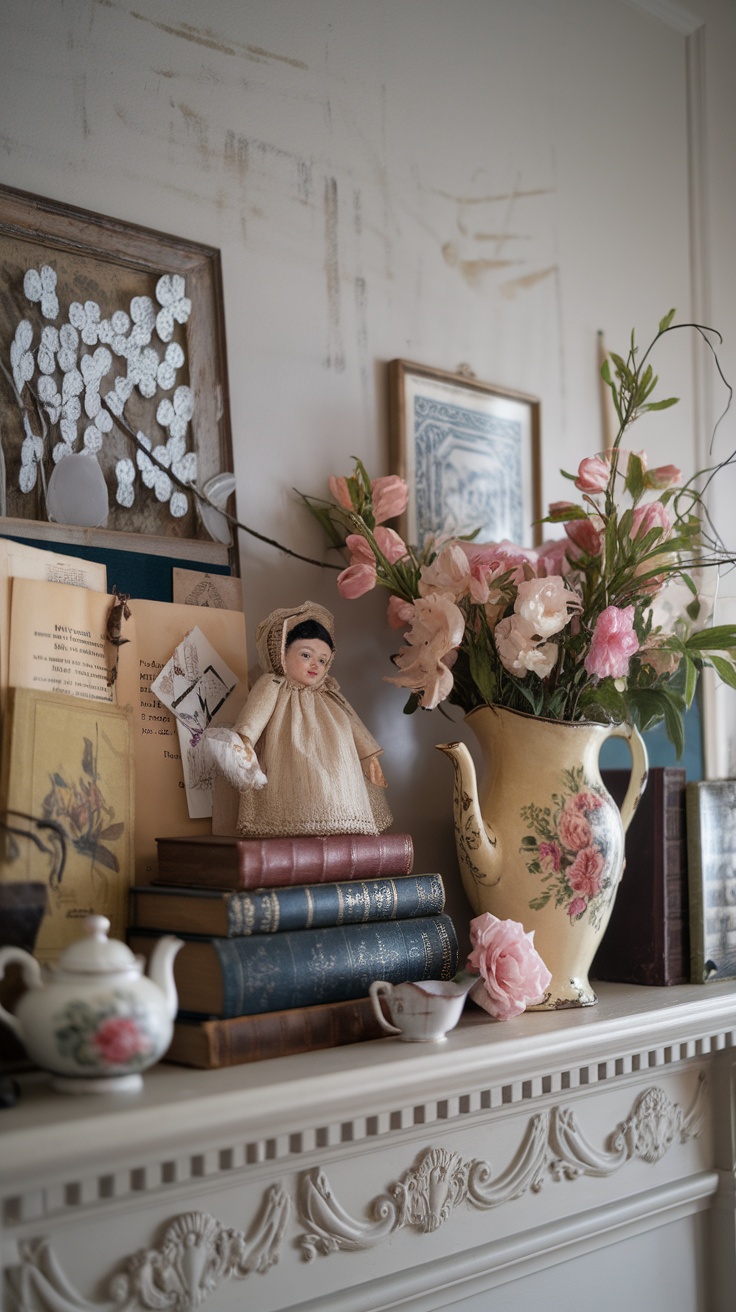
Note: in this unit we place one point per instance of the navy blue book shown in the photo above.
(299, 968)
(274, 910)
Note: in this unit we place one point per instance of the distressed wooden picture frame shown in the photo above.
(470, 454)
(103, 264)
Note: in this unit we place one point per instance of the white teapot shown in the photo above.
(96, 1021)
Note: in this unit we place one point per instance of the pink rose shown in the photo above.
(574, 831)
(593, 474)
(340, 491)
(586, 801)
(584, 875)
(550, 854)
(613, 643)
(118, 1040)
(390, 544)
(390, 495)
(512, 973)
(576, 908)
(356, 580)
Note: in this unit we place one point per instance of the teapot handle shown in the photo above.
(378, 987)
(639, 770)
(31, 972)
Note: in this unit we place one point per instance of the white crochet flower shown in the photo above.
(175, 306)
(68, 347)
(125, 474)
(143, 314)
(42, 287)
(50, 397)
(115, 400)
(93, 369)
(21, 360)
(112, 330)
(142, 369)
(48, 348)
(86, 319)
(31, 453)
(173, 360)
(175, 414)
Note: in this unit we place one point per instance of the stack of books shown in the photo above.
(284, 936)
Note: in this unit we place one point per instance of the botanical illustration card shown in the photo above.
(67, 764)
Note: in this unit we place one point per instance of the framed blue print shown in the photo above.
(470, 453)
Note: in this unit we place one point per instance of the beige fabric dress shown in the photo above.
(310, 744)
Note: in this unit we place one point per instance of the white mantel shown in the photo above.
(525, 1158)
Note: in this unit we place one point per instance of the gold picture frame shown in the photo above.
(469, 452)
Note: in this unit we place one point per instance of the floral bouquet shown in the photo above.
(605, 624)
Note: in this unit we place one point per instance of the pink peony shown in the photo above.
(399, 612)
(390, 495)
(340, 491)
(118, 1040)
(584, 875)
(572, 827)
(593, 474)
(587, 801)
(553, 558)
(390, 544)
(512, 973)
(613, 643)
(437, 629)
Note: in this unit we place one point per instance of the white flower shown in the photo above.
(125, 474)
(175, 414)
(47, 349)
(175, 305)
(143, 314)
(68, 346)
(115, 400)
(86, 319)
(42, 287)
(142, 369)
(173, 360)
(178, 505)
(31, 452)
(50, 397)
(521, 650)
(21, 360)
(544, 604)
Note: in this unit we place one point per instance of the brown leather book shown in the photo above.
(647, 940)
(210, 1044)
(243, 863)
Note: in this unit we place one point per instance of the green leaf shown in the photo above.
(661, 405)
(564, 515)
(722, 637)
(724, 670)
(412, 704)
(635, 476)
(88, 757)
(666, 321)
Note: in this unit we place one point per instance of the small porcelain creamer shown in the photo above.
(95, 1022)
(423, 1011)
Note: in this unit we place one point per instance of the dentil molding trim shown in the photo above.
(197, 1253)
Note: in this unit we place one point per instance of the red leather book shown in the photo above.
(647, 940)
(244, 863)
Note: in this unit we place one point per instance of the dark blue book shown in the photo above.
(275, 910)
(299, 968)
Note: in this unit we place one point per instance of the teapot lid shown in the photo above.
(96, 954)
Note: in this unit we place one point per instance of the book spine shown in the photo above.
(281, 1034)
(251, 863)
(314, 906)
(275, 972)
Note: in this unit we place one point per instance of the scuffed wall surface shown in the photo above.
(451, 181)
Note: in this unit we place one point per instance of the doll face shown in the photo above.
(307, 662)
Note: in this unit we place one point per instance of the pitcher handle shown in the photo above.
(639, 770)
(378, 987)
(31, 976)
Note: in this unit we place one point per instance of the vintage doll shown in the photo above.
(301, 760)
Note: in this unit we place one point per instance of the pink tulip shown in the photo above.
(613, 644)
(585, 535)
(593, 474)
(390, 495)
(664, 476)
(340, 491)
(361, 551)
(399, 612)
(356, 580)
(390, 544)
(652, 515)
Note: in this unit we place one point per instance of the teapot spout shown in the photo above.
(476, 842)
(161, 970)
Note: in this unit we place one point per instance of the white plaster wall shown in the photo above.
(480, 181)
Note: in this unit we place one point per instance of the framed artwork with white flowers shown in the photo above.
(470, 455)
(113, 377)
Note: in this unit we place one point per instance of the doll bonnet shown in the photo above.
(272, 632)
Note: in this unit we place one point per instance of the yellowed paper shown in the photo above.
(192, 587)
(20, 561)
(57, 639)
(67, 767)
(156, 628)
